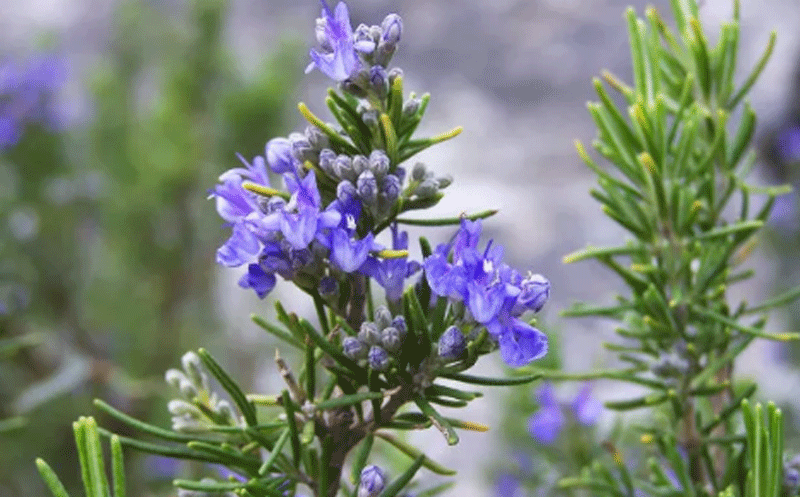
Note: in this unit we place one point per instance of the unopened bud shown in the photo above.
(369, 333)
(372, 481)
(452, 343)
(354, 348)
(383, 317)
(418, 171)
(378, 358)
(391, 339)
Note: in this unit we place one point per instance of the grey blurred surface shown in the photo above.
(516, 75)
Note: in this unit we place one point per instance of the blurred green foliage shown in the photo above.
(115, 278)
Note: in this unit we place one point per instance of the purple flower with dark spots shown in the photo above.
(338, 59)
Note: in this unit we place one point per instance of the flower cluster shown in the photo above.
(546, 424)
(199, 407)
(495, 294)
(356, 58)
(25, 95)
(377, 341)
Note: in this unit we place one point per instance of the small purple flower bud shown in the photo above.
(378, 358)
(535, 292)
(411, 107)
(418, 172)
(383, 318)
(354, 348)
(345, 191)
(372, 481)
(393, 74)
(391, 188)
(791, 478)
(391, 339)
(379, 80)
(367, 187)
(279, 156)
(392, 26)
(427, 189)
(444, 181)
(326, 159)
(316, 138)
(399, 322)
(369, 333)
(343, 167)
(452, 343)
(301, 147)
(370, 118)
(327, 286)
(379, 163)
(363, 40)
(360, 164)
(400, 172)
(376, 33)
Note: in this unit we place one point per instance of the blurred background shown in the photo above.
(117, 117)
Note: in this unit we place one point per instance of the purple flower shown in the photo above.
(259, 280)
(280, 156)
(338, 59)
(586, 407)
(347, 253)
(494, 293)
(545, 425)
(391, 274)
(26, 92)
(506, 485)
(788, 143)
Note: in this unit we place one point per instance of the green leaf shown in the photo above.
(142, 426)
(398, 484)
(361, 457)
(348, 400)
(751, 79)
(117, 467)
(230, 386)
(276, 451)
(497, 382)
(438, 420)
(51, 479)
(448, 221)
(276, 331)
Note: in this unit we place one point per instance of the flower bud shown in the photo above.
(427, 189)
(188, 389)
(327, 286)
(280, 156)
(178, 407)
(354, 348)
(535, 292)
(393, 74)
(174, 378)
(378, 358)
(383, 317)
(363, 40)
(360, 164)
(392, 27)
(367, 187)
(379, 81)
(345, 191)
(411, 107)
(444, 181)
(370, 118)
(192, 365)
(391, 339)
(379, 163)
(391, 188)
(369, 333)
(452, 343)
(301, 147)
(326, 158)
(316, 138)
(399, 322)
(343, 167)
(372, 481)
(418, 172)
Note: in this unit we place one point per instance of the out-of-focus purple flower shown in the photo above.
(506, 485)
(26, 95)
(788, 144)
(586, 407)
(545, 425)
(162, 468)
(338, 58)
(494, 293)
